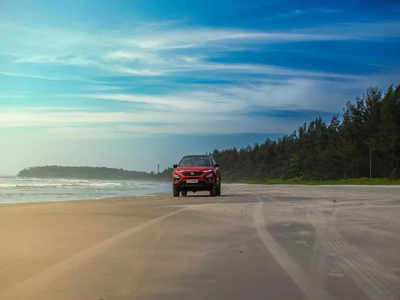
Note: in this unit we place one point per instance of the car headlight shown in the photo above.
(209, 176)
(176, 176)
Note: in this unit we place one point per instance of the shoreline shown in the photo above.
(154, 194)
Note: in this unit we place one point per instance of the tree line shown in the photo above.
(85, 173)
(362, 141)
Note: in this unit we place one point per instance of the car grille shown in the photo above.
(197, 173)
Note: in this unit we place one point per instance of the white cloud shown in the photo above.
(152, 51)
(259, 69)
(33, 76)
(180, 102)
(125, 55)
(63, 60)
(84, 126)
(229, 100)
(221, 110)
(198, 109)
(58, 78)
(137, 72)
(102, 88)
(214, 109)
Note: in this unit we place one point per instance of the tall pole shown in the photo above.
(370, 162)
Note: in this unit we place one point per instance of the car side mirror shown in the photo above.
(216, 165)
(175, 166)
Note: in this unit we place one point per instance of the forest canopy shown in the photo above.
(362, 141)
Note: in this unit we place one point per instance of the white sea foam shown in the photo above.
(56, 185)
(14, 189)
(7, 185)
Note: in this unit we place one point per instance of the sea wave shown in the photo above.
(24, 190)
(60, 185)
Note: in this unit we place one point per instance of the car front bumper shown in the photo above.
(201, 185)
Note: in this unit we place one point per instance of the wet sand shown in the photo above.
(255, 242)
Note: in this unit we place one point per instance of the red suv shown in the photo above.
(196, 173)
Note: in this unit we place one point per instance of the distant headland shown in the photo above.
(91, 173)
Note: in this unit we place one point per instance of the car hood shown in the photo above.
(194, 169)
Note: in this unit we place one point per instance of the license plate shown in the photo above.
(192, 180)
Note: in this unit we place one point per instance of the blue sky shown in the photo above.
(132, 83)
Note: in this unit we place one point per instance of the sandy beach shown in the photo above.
(254, 242)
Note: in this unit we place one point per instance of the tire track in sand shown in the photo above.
(300, 278)
(370, 276)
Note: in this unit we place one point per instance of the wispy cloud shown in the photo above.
(102, 88)
(258, 69)
(160, 51)
(125, 124)
(209, 110)
(303, 94)
(69, 60)
(137, 72)
(51, 78)
(12, 74)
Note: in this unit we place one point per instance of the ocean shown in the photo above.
(25, 190)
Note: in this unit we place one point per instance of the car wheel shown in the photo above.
(175, 191)
(184, 193)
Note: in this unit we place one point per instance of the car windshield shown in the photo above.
(195, 161)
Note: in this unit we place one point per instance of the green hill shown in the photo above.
(88, 173)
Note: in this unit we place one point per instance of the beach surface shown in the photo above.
(254, 242)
